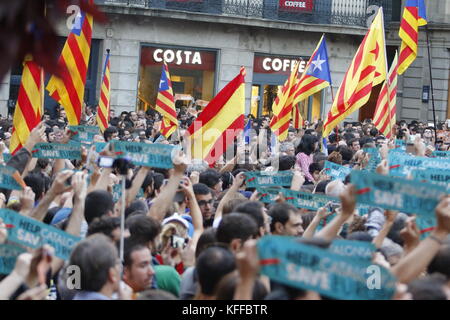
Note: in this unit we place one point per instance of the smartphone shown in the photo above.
(105, 162)
(177, 242)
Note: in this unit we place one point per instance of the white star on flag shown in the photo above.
(318, 63)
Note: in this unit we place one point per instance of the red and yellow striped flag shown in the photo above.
(367, 70)
(220, 122)
(282, 106)
(385, 112)
(74, 60)
(165, 103)
(28, 112)
(297, 119)
(105, 93)
(414, 16)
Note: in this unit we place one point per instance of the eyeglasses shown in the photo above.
(204, 202)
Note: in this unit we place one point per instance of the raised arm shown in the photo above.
(413, 264)
(348, 204)
(137, 184)
(389, 222)
(237, 183)
(321, 214)
(165, 198)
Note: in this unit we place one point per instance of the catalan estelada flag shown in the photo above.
(165, 103)
(282, 106)
(68, 91)
(105, 93)
(367, 70)
(28, 112)
(317, 73)
(414, 16)
(220, 122)
(385, 112)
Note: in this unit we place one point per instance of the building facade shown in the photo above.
(205, 42)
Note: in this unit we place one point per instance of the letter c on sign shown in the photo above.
(157, 55)
(266, 64)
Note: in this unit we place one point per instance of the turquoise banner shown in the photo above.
(263, 179)
(154, 155)
(84, 134)
(441, 154)
(99, 146)
(400, 146)
(353, 249)
(298, 199)
(287, 261)
(34, 234)
(437, 176)
(401, 165)
(8, 257)
(71, 151)
(335, 171)
(395, 193)
(374, 158)
(6, 179)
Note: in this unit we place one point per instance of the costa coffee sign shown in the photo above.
(186, 58)
(295, 5)
(277, 64)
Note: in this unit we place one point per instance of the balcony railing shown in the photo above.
(333, 12)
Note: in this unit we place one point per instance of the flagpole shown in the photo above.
(431, 85)
(336, 129)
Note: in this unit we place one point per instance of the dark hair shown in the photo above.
(227, 180)
(306, 145)
(107, 134)
(321, 186)
(332, 138)
(210, 178)
(374, 132)
(314, 167)
(97, 204)
(286, 163)
(128, 248)
(95, 256)
(236, 226)
(207, 238)
(136, 205)
(280, 213)
(212, 265)
(105, 225)
(428, 288)
(227, 287)
(346, 153)
(441, 261)
(201, 189)
(351, 141)
(143, 228)
(254, 209)
(37, 182)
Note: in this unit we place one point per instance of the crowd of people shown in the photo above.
(191, 232)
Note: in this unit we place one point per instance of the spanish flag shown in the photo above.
(74, 59)
(367, 70)
(28, 112)
(220, 122)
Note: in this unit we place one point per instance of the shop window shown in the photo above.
(192, 72)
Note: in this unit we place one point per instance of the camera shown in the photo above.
(177, 242)
(121, 165)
